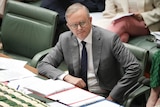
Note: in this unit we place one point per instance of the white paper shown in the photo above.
(156, 35)
(121, 16)
(24, 82)
(104, 103)
(88, 101)
(56, 104)
(9, 63)
(74, 96)
(49, 86)
(12, 74)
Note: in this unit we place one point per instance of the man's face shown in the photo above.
(80, 24)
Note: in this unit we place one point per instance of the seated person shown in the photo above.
(145, 18)
(154, 98)
(98, 68)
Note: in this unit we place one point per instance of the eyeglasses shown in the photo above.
(81, 24)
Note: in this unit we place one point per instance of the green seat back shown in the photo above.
(143, 42)
(141, 54)
(27, 29)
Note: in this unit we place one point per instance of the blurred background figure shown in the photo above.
(145, 18)
(154, 99)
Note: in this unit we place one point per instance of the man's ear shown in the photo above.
(90, 18)
(67, 25)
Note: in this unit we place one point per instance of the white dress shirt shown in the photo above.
(93, 85)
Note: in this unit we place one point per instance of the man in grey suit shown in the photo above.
(106, 55)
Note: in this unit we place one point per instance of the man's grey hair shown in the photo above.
(74, 8)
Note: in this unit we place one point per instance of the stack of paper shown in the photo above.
(66, 93)
(11, 69)
(48, 87)
(8, 63)
(14, 74)
(75, 97)
(19, 84)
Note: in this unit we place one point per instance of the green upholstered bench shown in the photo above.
(33, 2)
(146, 43)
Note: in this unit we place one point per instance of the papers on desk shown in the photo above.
(56, 104)
(48, 87)
(8, 63)
(19, 84)
(13, 74)
(75, 97)
(102, 103)
(11, 69)
(66, 93)
(61, 92)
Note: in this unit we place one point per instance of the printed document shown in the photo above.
(9, 63)
(48, 87)
(24, 82)
(75, 97)
(13, 74)
(121, 16)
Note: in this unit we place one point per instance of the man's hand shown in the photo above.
(75, 81)
(109, 98)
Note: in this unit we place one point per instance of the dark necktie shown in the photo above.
(84, 63)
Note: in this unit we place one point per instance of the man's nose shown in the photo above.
(79, 26)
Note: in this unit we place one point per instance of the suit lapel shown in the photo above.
(96, 48)
(76, 56)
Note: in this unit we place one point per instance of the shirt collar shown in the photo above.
(88, 39)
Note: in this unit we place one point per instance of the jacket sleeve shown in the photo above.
(48, 66)
(130, 66)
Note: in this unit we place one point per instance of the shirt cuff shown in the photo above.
(63, 75)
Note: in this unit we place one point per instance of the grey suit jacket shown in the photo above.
(109, 54)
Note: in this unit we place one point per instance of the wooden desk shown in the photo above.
(32, 69)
